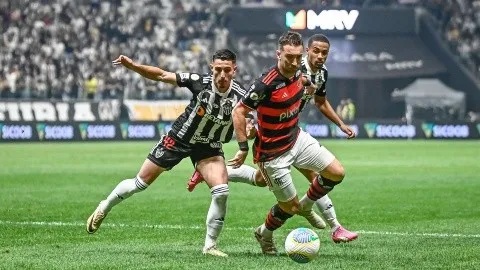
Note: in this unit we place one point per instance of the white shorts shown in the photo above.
(306, 153)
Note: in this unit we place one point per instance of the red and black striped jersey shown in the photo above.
(277, 100)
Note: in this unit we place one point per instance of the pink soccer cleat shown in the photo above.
(342, 235)
(196, 179)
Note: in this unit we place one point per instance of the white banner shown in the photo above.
(166, 110)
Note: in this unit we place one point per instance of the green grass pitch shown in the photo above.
(416, 205)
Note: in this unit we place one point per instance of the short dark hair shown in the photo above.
(225, 54)
(290, 38)
(318, 37)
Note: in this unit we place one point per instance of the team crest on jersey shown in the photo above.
(227, 106)
(253, 96)
(194, 77)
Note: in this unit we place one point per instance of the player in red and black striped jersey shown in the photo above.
(313, 66)
(198, 133)
(280, 143)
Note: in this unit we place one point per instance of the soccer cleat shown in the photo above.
(196, 179)
(267, 244)
(95, 220)
(314, 219)
(214, 251)
(342, 235)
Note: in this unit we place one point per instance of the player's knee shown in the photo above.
(334, 172)
(259, 180)
(220, 193)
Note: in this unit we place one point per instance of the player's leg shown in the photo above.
(211, 164)
(325, 205)
(244, 174)
(315, 157)
(287, 205)
(158, 160)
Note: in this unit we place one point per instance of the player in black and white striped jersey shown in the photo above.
(208, 116)
(198, 133)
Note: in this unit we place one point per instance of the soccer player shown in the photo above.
(277, 96)
(198, 133)
(313, 65)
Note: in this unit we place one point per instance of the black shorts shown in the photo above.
(169, 151)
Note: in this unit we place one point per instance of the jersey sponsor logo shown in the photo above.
(216, 145)
(201, 111)
(194, 77)
(218, 121)
(200, 139)
(289, 114)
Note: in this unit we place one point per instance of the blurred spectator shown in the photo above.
(473, 117)
(91, 87)
(351, 110)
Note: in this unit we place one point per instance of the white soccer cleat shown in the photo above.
(214, 251)
(313, 218)
(95, 220)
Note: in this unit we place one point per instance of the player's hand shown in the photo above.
(348, 130)
(251, 130)
(238, 160)
(124, 61)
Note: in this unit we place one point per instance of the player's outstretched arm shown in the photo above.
(324, 106)
(149, 72)
(239, 115)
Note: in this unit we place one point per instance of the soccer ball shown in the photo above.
(302, 245)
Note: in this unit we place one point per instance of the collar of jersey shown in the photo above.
(214, 88)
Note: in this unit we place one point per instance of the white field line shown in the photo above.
(184, 227)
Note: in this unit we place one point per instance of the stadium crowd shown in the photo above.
(63, 49)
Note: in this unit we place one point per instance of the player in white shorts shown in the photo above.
(249, 175)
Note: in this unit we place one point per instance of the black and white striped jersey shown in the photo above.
(319, 78)
(208, 116)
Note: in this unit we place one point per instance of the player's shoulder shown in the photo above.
(238, 88)
(268, 80)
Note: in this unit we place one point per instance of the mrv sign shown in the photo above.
(325, 20)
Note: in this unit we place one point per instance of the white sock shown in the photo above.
(325, 206)
(123, 190)
(306, 203)
(216, 214)
(265, 232)
(243, 174)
